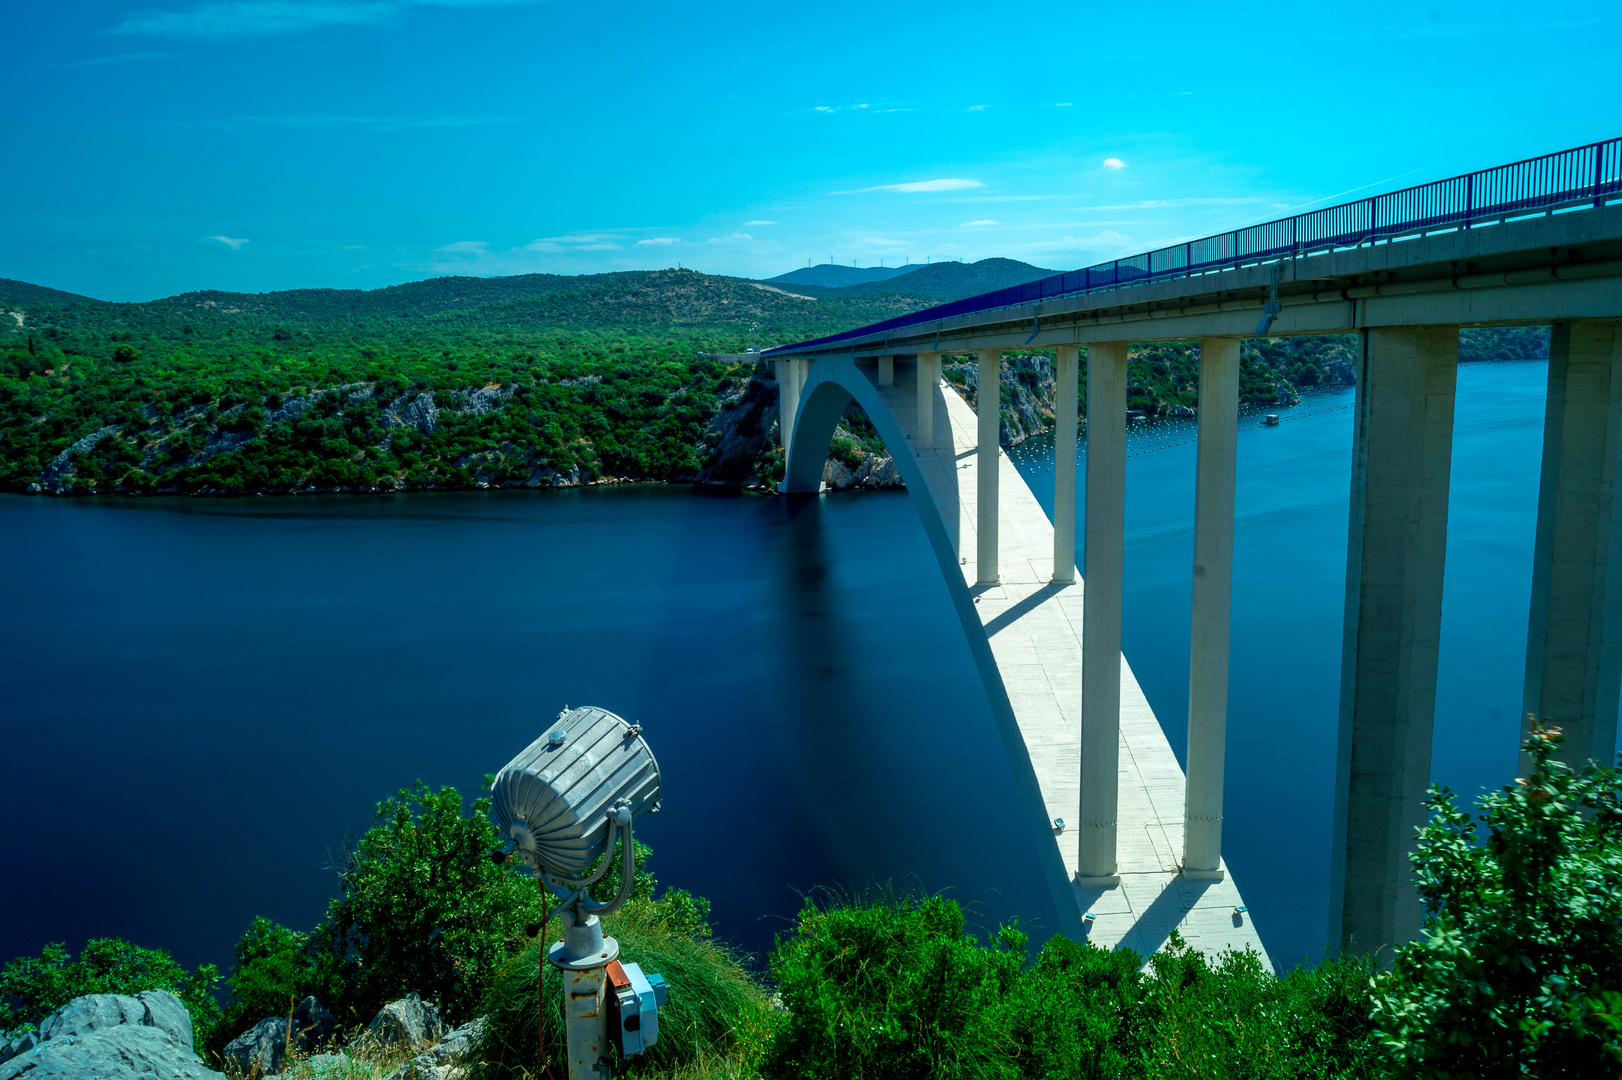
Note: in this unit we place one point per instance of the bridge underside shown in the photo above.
(1025, 633)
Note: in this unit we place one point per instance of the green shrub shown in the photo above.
(844, 449)
(895, 990)
(890, 990)
(421, 907)
(33, 987)
(714, 1016)
(274, 965)
(1229, 1017)
(1520, 965)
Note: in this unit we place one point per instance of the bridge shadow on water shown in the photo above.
(898, 775)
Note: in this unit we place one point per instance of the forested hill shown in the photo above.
(457, 382)
(20, 293)
(452, 382)
(643, 299)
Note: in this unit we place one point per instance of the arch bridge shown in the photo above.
(1131, 845)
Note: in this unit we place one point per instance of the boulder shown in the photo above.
(410, 1021)
(264, 1046)
(109, 1037)
(441, 1061)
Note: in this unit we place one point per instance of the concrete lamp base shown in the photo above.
(1204, 875)
(1083, 881)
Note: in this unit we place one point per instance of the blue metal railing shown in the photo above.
(1591, 173)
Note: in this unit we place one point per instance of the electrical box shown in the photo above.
(633, 1009)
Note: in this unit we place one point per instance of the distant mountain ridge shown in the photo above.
(838, 276)
(726, 313)
(573, 298)
(954, 280)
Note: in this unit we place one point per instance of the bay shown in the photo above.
(205, 697)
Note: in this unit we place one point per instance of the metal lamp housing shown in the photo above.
(557, 800)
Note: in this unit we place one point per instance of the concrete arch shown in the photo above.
(829, 385)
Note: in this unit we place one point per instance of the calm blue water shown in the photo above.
(203, 696)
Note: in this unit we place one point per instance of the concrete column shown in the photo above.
(928, 380)
(1574, 635)
(886, 371)
(1064, 466)
(1396, 542)
(1101, 610)
(788, 398)
(1213, 594)
(988, 398)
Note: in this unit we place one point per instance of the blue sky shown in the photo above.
(169, 145)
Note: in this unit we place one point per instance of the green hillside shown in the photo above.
(533, 381)
(22, 294)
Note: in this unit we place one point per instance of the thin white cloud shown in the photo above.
(1004, 198)
(233, 242)
(219, 19)
(1064, 104)
(658, 240)
(824, 108)
(982, 221)
(948, 184)
(466, 247)
(576, 242)
(760, 223)
(1113, 163)
(978, 108)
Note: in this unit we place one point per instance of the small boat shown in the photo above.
(1272, 419)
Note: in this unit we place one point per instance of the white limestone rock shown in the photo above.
(265, 1044)
(409, 1021)
(442, 1061)
(109, 1037)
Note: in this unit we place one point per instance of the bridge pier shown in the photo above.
(1214, 483)
(1064, 465)
(1396, 546)
(988, 393)
(1574, 633)
(929, 377)
(886, 371)
(1101, 611)
(788, 399)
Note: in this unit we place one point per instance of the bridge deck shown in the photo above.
(1034, 632)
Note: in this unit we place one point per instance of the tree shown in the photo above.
(1520, 965)
(422, 907)
(33, 987)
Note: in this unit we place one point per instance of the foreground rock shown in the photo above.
(444, 1061)
(109, 1037)
(264, 1046)
(408, 1022)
